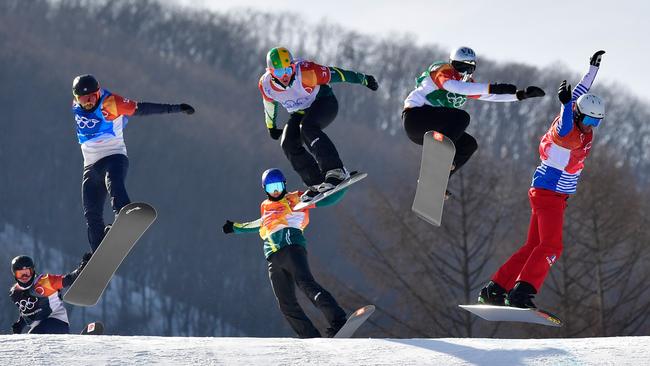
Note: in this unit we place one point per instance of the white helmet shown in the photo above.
(463, 59)
(591, 105)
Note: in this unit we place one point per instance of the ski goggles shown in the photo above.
(274, 187)
(280, 72)
(591, 121)
(19, 272)
(88, 98)
(464, 67)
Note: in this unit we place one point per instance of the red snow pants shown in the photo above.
(543, 247)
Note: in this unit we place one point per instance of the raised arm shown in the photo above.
(588, 79)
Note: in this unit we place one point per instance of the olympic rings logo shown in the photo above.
(27, 304)
(84, 122)
(456, 100)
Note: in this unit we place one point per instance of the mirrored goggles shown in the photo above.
(274, 187)
(280, 72)
(591, 121)
(464, 67)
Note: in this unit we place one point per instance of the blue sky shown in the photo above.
(539, 33)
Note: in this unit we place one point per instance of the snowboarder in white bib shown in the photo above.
(302, 88)
(281, 228)
(440, 92)
(101, 117)
(38, 299)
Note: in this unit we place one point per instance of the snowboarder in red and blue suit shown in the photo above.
(563, 150)
(101, 117)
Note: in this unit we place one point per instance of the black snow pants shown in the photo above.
(451, 122)
(306, 127)
(51, 326)
(106, 176)
(288, 266)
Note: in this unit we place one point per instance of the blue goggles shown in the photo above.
(278, 73)
(273, 187)
(591, 121)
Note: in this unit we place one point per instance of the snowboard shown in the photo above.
(354, 321)
(512, 314)
(132, 221)
(437, 158)
(94, 328)
(354, 177)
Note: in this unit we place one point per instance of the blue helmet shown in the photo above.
(273, 175)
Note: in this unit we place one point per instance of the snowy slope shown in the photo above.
(116, 350)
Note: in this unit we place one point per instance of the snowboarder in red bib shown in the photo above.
(37, 297)
(302, 88)
(563, 150)
(440, 92)
(101, 117)
(281, 228)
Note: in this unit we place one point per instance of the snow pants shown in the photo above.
(543, 246)
(305, 128)
(288, 267)
(51, 326)
(451, 122)
(106, 176)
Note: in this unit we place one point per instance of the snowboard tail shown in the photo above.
(354, 177)
(355, 321)
(513, 314)
(438, 153)
(132, 222)
(94, 328)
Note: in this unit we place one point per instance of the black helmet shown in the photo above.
(23, 262)
(84, 85)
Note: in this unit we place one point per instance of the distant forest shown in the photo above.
(185, 278)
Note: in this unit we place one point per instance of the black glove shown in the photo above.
(564, 92)
(502, 89)
(17, 327)
(595, 59)
(530, 92)
(84, 260)
(228, 227)
(371, 83)
(275, 133)
(187, 109)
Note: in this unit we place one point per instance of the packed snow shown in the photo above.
(119, 350)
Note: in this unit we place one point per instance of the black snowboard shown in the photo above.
(132, 221)
(94, 328)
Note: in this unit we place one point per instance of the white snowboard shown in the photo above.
(354, 177)
(354, 321)
(513, 314)
(437, 158)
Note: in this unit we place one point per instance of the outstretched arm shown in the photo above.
(339, 75)
(145, 108)
(244, 227)
(588, 79)
(69, 279)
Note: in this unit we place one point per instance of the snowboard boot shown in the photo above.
(492, 294)
(521, 296)
(333, 178)
(310, 193)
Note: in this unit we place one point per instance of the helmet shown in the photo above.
(273, 175)
(592, 108)
(278, 58)
(84, 85)
(23, 262)
(463, 59)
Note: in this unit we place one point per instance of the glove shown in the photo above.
(502, 89)
(595, 59)
(84, 260)
(564, 92)
(17, 327)
(530, 92)
(275, 133)
(187, 109)
(228, 227)
(371, 83)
